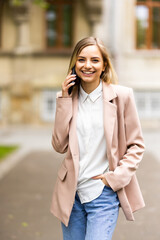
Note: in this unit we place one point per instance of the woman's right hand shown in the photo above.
(69, 82)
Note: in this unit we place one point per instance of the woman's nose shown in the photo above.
(87, 64)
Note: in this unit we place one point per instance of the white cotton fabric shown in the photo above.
(92, 144)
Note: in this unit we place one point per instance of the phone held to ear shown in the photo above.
(76, 81)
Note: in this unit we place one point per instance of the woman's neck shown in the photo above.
(89, 87)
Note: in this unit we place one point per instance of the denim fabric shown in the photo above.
(95, 220)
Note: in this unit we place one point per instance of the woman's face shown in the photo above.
(89, 65)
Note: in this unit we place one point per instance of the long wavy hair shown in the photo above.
(108, 75)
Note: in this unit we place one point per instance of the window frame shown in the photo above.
(46, 94)
(147, 111)
(59, 48)
(149, 4)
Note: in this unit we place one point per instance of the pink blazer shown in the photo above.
(125, 149)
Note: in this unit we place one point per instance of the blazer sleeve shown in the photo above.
(60, 135)
(123, 173)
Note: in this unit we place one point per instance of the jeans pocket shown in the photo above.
(108, 187)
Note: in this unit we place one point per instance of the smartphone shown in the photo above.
(76, 80)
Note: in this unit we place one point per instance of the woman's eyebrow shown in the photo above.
(95, 57)
(81, 57)
(91, 57)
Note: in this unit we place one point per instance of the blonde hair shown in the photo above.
(108, 75)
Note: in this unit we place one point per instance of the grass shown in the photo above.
(6, 150)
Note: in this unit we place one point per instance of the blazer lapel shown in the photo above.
(110, 113)
(73, 139)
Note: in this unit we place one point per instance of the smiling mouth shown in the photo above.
(88, 72)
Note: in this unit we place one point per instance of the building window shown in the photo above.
(48, 105)
(148, 104)
(59, 24)
(1, 16)
(148, 24)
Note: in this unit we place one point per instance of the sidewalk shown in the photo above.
(26, 190)
(28, 138)
(33, 137)
(26, 193)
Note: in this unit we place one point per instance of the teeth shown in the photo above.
(87, 72)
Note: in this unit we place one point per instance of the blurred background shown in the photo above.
(36, 41)
(36, 44)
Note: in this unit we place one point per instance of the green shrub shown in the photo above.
(6, 150)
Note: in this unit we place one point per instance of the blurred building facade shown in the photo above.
(132, 33)
(36, 44)
(35, 48)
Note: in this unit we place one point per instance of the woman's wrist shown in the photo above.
(65, 95)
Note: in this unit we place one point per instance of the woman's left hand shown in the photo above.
(101, 176)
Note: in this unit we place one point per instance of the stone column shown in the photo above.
(20, 87)
(21, 18)
(94, 14)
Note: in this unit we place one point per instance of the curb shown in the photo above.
(11, 161)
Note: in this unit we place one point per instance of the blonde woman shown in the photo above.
(97, 126)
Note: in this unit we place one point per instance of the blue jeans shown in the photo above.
(95, 220)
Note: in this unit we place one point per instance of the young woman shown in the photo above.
(97, 126)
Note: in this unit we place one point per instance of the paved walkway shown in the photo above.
(26, 190)
(28, 138)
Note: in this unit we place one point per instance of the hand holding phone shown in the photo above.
(76, 80)
(68, 82)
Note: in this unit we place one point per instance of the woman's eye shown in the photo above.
(81, 60)
(95, 60)
(92, 60)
